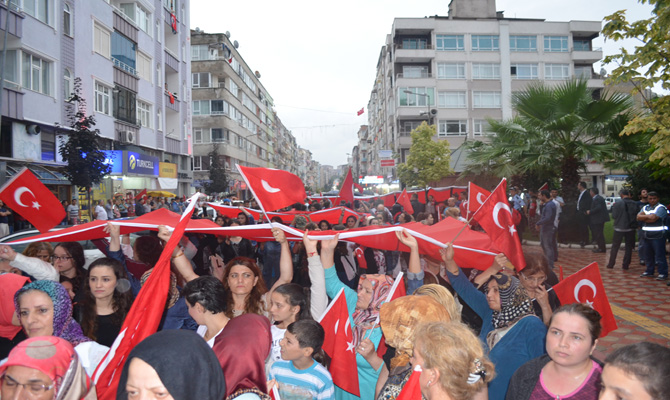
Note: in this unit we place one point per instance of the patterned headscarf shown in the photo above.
(514, 302)
(366, 319)
(64, 325)
(56, 358)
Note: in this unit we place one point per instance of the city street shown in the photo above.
(641, 306)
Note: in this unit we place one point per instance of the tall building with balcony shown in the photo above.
(134, 64)
(458, 70)
(231, 110)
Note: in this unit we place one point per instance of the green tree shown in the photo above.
(218, 181)
(428, 160)
(85, 161)
(557, 130)
(646, 66)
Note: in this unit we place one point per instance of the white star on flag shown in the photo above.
(36, 205)
(589, 303)
(512, 230)
(350, 346)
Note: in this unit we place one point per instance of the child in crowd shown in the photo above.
(298, 375)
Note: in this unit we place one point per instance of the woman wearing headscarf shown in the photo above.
(45, 309)
(175, 364)
(511, 332)
(10, 328)
(242, 348)
(49, 369)
(363, 307)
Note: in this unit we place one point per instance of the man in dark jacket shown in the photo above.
(624, 213)
(598, 215)
(546, 227)
(583, 206)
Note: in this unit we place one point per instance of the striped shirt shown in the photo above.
(314, 382)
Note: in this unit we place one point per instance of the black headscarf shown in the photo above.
(184, 362)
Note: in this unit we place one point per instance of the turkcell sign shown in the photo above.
(140, 164)
(114, 158)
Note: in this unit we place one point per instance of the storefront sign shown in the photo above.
(167, 170)
(114, 158)
(387, 163)
(140, 164)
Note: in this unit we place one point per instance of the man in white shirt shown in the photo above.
(100, 212)
(558, 200)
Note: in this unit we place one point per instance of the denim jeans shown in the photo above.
(547, 241)
(656, 255)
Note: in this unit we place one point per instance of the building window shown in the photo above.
(48, 146)
(418, 96)
(523, 43)
(67, 20)
(201, 52)
(556, 71)
(414, 71)
(524, 71)
(197, 164)
(36, 74)
(556, 43)
(159, 119)
(450, 42)
(485, 71)
(197, 135)
(144, 67)
(583, 71)
(143, 19)
(234, 89)
(451, 99)
(67, 84)
(581, 44)
(125, 103)
(485, 43)
(413, 44)
(486, 99)
(219, 135)
(124, 52)
(159, 75)
(248, 103)
(144, 114)
(219, 107)
(200, 80)
(101, 40)
(201, 107)
(40, 9)
(102, 99)
(481, 127)
(452, 128)
(450, 71)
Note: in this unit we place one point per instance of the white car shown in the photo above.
(609, 202)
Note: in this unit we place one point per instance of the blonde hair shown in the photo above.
(35, 247)
(453, 350)
(443, 296)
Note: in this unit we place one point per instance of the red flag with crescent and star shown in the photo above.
(28, 197)
(347, 188)
(339, 345)
(405, 202)
(586, 286)
(500, 225)
(273, 188)
(476, 198)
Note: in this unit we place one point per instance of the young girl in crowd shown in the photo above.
(298, 375)
(639, 371)
(205, 298)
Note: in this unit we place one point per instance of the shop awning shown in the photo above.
(46, 174)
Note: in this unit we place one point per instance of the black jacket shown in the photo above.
(585, 202)
(599, 214)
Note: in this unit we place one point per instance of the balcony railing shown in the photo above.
(124, 67)
(426, 46)
(414, 75)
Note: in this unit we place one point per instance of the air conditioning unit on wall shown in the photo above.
(127, 137)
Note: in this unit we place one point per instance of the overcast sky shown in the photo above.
(318, 59)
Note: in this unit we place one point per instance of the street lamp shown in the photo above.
(427, 103)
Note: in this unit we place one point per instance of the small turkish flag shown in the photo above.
(397, 290)
(544, 187)
(273, 188)
(412, 389)
(476, 198)
(588, 278)
(339, 345)
(347, 188)
(404, 201)
(500, 226)
(141, 194)
(29, 198)
(360, 256)
(361, 111)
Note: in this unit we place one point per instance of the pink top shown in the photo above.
(588, 390)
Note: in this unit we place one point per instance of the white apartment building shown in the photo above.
(133, 59)
(458, 70)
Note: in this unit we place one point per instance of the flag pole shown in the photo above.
(475, 213)
(254, 193)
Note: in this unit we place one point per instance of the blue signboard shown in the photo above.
(114, 158)
(140, 164)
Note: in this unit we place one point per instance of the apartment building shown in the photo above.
(458, 70)
(133, 59)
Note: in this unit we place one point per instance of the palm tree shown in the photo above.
(556, 132)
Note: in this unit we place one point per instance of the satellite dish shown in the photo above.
(237, 45)
(258, 74)
(228, 34)
(603, 72)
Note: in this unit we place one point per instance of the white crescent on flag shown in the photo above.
(578, 286)
(19, 192)
(269, 188)
(497, 209)
(483, 198)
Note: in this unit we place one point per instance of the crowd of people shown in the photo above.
(241, 316)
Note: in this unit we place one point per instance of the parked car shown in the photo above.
(91, 253)
(609, 202)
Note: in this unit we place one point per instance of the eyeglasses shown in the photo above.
(537, 280)
(57, 258)
(35, 389)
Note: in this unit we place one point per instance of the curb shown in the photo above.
(572, 245)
